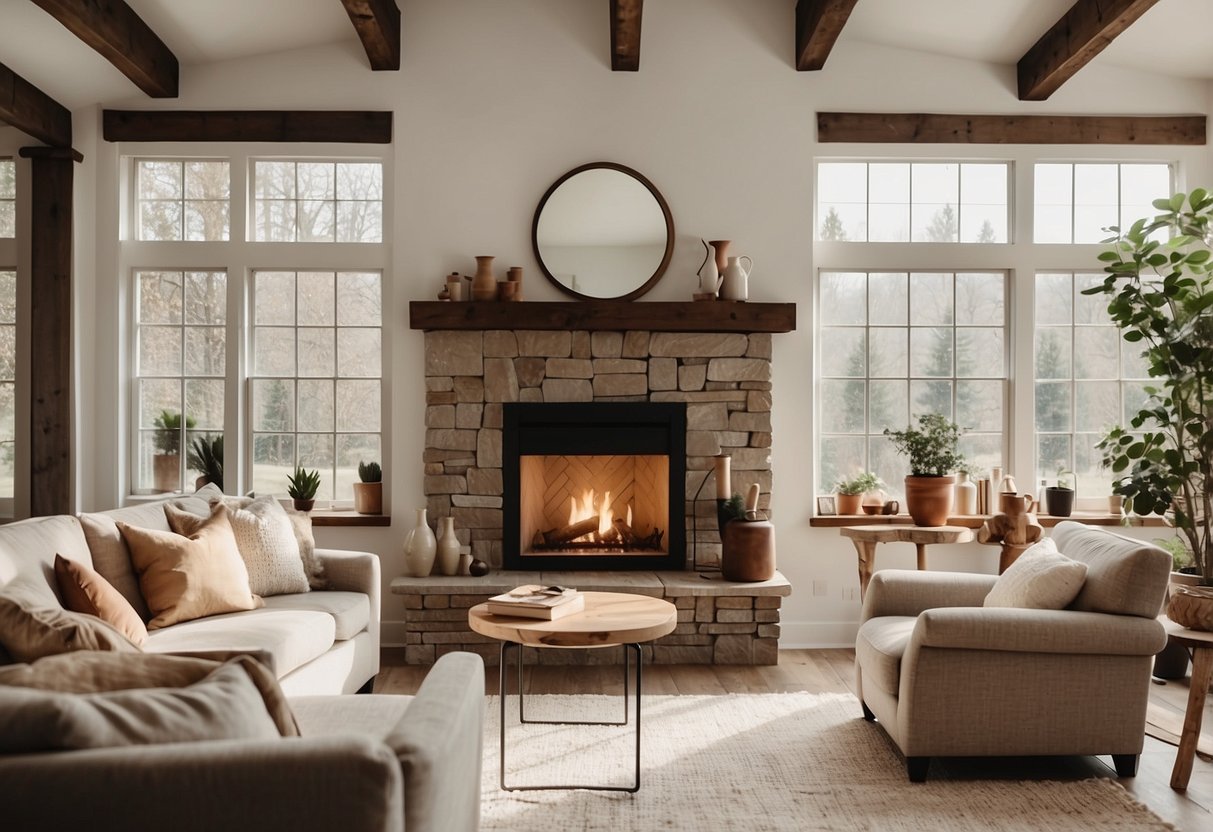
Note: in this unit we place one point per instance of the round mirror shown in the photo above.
(603, 231)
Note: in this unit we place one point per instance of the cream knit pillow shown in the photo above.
(1040, 579)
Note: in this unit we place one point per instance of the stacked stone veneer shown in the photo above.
(725, 379)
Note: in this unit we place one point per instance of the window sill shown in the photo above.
(974, 521)
(337, 517)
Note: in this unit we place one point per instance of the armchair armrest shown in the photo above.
(903, 592)
(439, 745)
(1038, 631)
(339, 782)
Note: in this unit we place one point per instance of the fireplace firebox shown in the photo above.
(594, 485)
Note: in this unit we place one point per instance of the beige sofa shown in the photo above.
(320, 642)
(946, 676)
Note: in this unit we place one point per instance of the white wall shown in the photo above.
(494, 101)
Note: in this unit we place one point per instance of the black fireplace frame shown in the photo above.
(620, 428)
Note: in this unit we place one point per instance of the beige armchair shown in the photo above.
(945, 676)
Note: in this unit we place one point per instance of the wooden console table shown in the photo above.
(865, 539)
(1201, 644)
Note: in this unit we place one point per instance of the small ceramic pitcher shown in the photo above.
(1014, 505)
(735, 285)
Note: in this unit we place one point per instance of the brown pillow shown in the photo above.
(31, 629)
(85, 591)
(183, 578)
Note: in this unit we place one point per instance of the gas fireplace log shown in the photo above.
(626, 533)
(610, 535)
(572, 532)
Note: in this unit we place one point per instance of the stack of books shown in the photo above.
(534, 601)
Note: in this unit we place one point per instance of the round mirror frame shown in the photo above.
(661, 203)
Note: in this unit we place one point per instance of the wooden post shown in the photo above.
(50, 486)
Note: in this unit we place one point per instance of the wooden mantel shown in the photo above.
(595, 315)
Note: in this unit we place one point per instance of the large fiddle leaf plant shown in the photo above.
(1160, 294)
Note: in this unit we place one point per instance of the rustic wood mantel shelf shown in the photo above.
(594, 315)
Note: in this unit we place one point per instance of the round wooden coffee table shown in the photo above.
(610, 619)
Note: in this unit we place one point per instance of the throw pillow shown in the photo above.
(30, 629)
(183, 578)
(301, 525)
(1040, 579)
(94, 672)
(85, 591)
(224, 705)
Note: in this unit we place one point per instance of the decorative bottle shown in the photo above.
(420, 547)
(1041, 503)
(966, 495)
(448, 548)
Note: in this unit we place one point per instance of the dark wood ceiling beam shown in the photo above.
(927, 128)
(349, 126)
(1081, 34)
(32, 111)
(625, 34)
(818, 25)
(378, 25)
(113, 29)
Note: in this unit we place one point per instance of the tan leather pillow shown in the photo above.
(85, 591)
(183, 578)
(31, 629)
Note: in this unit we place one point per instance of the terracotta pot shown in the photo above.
(929, 499)
(166, 472)
(748, 551)
(849, 503)
(368, 497)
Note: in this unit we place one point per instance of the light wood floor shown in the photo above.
(817, 671)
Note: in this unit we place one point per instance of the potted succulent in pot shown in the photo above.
(1160, 294)
(850, 491)
(166, 461)
(933, 451)
(206, 455)
(368, 493)
(1060, 497)
(303, 487)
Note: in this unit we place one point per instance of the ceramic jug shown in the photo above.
(709, 275)
(735, 285)
(1013, 504)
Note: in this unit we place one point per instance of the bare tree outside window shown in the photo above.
(8, 198)
(183, 199)
(298, 201)
(8, 382)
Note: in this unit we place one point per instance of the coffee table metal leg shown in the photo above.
(503, 674)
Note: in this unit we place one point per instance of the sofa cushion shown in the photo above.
(368, 716)
(1040, 579)
(879, 646)
(1124, 576)
(28, 548)
(291, 637)
(301, 527)
(31, 629)
(85, 591)
(184, 578)
(224, 705)
(351, 611)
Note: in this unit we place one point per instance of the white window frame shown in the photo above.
(15, 256)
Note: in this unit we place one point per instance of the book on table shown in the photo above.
(534, 601)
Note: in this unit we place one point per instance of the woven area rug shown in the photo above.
(793, 761)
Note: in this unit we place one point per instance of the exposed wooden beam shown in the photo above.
(113, 29)
(32, 111)
(50, 375)
(1080, 35)
(352, 126)
(378, 26)
(818, 25)
(625, 34)
(927, 128)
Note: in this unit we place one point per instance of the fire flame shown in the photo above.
(587, 506)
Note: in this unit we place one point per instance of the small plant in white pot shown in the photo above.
(368, 493)
(850, 491)
(933, 451)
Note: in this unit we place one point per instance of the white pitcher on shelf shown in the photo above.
(709, 275)
(735, 285)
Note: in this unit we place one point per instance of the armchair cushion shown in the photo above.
(1040, 579)
(1124, 576)
(1011, 629)
(879, 647)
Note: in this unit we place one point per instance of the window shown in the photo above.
(8, 198)
(1075, 203)
(181, 365)
(297, 201)
(1088, 378)
(897, 202)
(8, 382)
(316, 389)
(896, 345)
(182, 199)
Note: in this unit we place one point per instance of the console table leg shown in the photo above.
(922, 556)
(1202, 673)
(865, 551)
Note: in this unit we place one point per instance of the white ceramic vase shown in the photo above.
(736, 282)
(966, 495)
(448, 548)
(420, 547)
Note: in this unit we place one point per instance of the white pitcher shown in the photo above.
(709, 275)
(735, 284)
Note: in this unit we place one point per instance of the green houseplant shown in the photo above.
(850, 491)
(206, 455)
(303, 487)
(933, 451)
(368, 491)
(166, 461)
(1160, 294)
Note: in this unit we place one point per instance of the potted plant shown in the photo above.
(206, 455)
(850, 491)
(368, 493)
(166, 461)
(933, 450)
(303, 487)
(1160, 294)
(1060, 497)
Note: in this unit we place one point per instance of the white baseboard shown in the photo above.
(817, 634)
